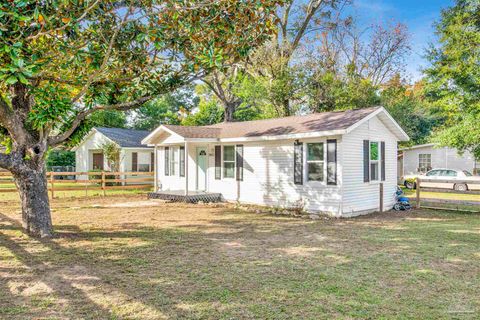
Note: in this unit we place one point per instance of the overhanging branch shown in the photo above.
(80, 117)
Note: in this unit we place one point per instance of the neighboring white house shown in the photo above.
(329, 162)
(134, 157)
(422, 158)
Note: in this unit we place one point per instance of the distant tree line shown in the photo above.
(320, 59)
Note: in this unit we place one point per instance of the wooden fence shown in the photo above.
(446, 202)
(86, 181)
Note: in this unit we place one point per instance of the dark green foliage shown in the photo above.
(62, 158)
(209, 112)
(108, 118)
(167, 109)
(453, 79)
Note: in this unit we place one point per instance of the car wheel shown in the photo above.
(461, 187)
(410, 185)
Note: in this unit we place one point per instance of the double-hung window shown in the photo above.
(315, 161)
(374, 161)
(424, 162)
(173, 160)
(229, 161)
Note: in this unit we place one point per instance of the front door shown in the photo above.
(201, 169)
(97, 161)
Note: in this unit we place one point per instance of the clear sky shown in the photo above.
(418, 15)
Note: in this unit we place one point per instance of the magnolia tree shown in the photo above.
(63, 60)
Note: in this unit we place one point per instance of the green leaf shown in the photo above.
(22, 78)
(11, 80)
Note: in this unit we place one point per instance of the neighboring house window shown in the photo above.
(315, 162)
(228, 161)
(424, 162)
(173, 160)
(374, 161)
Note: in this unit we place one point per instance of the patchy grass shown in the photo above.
(13, 196)
(128, 258)
(442, 195)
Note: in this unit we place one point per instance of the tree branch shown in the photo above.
(79, 19)
(80, 117)
(310, 12)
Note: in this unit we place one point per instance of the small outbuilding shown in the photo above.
(424, 157)
(332, 162)
(134, 157)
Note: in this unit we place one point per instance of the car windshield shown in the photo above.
(468, 174)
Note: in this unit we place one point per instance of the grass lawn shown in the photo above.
(123, 257)
(13, 196)
(442, 195)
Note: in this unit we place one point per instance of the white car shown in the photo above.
(462, 176)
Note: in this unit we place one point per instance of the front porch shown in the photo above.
(191, 197)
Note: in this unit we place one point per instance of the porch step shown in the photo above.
(175, 196)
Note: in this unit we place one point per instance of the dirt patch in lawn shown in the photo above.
(131, 258)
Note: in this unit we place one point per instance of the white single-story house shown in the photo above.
(134, 157)
(424, 157)
(330, 162)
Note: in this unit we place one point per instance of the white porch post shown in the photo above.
(155, 169)
(186, 168)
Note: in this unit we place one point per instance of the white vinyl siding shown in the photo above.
(360, 197)
(268, 174)
(268, 179)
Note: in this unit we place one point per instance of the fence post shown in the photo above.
(52, 184)
(418, 192)
(381, 197)
(86, 184)
(103, 183)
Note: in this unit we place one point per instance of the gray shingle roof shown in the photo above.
(125, 138)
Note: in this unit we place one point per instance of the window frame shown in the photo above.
(377, 162)
(423, 160)
(229, 161)
(306, 162)
(173, 162)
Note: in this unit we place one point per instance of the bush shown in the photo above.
(107, 177)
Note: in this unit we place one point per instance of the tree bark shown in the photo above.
(32, 185)
(229, 111)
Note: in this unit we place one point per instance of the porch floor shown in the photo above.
(192, 197)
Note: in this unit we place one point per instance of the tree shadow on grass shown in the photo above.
(61, 272)
(225, 266)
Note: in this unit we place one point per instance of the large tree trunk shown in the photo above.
(229, 111)
(31, 182)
